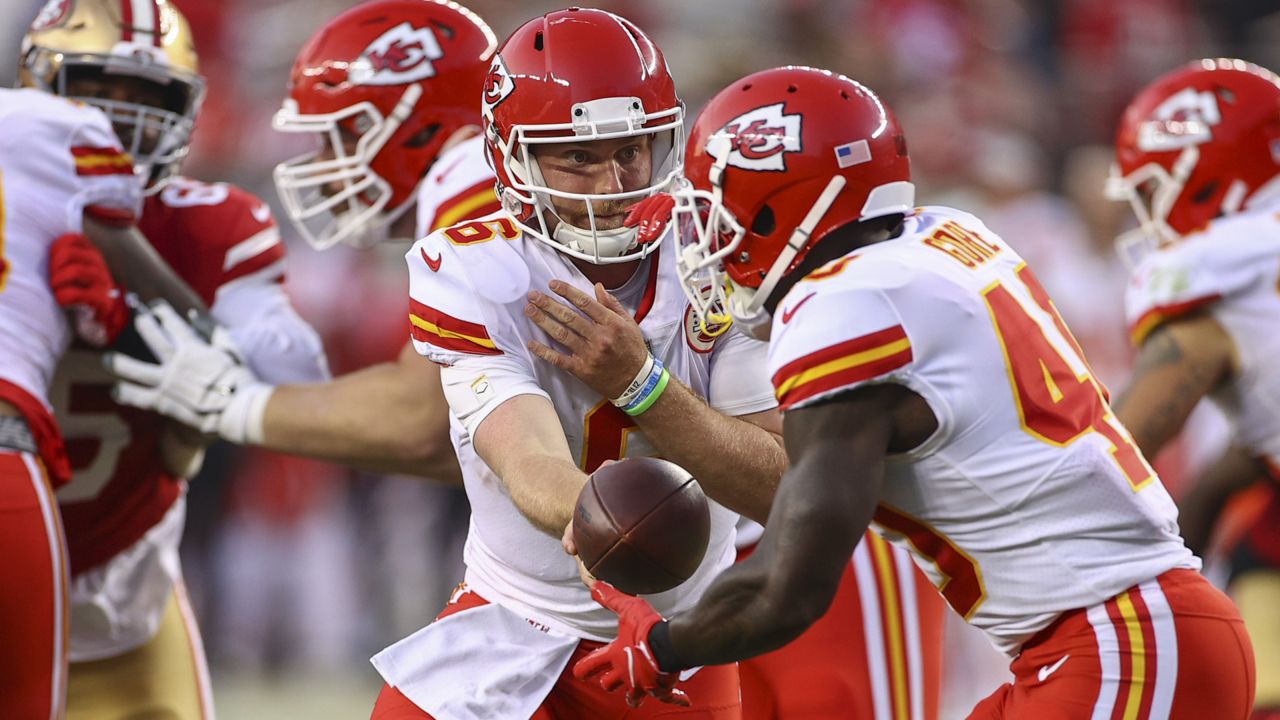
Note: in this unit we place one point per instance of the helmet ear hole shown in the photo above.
(1205, 193)
(423, 137)
(764, 223)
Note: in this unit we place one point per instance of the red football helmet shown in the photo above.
(396, 79)
(570, 76)
(1199, 142)
(776, 161)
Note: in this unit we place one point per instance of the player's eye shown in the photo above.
(578, 157)
(629, 154)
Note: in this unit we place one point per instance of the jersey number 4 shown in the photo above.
(1057, 397)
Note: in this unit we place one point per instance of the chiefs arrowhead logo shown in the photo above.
(402, 54)
(758, 140)
(497, 86)
(1185, 118)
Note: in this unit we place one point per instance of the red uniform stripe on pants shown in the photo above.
(891, 626)
(1126, 660)
(1150, 652)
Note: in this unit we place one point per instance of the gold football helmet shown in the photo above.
(135, 60)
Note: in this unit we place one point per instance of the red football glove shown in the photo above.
(651, 216)
(627, 661)
(82, 284)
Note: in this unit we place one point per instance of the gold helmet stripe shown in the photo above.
(140, 17)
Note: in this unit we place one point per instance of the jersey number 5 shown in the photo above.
(1058, 400)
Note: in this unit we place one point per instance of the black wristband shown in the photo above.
(663, 652)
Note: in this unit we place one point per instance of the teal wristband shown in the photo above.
(652, 397)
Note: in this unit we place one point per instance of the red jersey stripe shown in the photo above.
(1161, 314)
(423, 331)
(447, 322)
(840, 350)
(474, 202)
(810, 387)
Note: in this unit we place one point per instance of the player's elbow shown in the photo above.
(426, 451)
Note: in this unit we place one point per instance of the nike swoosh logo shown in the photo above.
(433, 264)
(261, 213)
(686, 674)
(790, 312)
(1048, 670)
(440, 178)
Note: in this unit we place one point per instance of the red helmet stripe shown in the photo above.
(155, 22)
(141, 17)
(126, 20)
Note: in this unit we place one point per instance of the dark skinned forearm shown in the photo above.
(823, 507)
(1178, 364)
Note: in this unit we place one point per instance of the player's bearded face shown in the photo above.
(598, 167)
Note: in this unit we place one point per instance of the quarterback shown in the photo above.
(134, 646)
(581, 120)
(1200, 144)
(929, 389)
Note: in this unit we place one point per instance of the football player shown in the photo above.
(929, 386)
(883, 612)
(62, 172)
(581, 121)
(1198, 158)
(388, 89)
(877, 653)
(134, 646)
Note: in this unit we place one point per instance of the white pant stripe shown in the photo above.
(868, 594)
(1109, 655)
(57, 556)
(1166, 649)
(911, 629)
(203, 681)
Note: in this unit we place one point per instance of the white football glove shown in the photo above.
(198, 383)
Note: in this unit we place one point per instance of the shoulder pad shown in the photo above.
(458, 276)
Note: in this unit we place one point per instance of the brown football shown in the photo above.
(642, 524)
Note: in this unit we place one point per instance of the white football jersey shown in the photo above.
(458, 187)
(57, 159)
(468, 285)
(1232, 271)
(1030, 499)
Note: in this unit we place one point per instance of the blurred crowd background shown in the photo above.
(301, 570)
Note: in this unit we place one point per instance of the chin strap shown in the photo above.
(799, 238)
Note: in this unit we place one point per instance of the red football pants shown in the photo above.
(714, 692)
(1173, 647)
(33, 592)
(877, 653)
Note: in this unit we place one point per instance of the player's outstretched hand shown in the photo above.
(627, 662)
(605, 345)
(83, 285)
(650, 217)
(198, 382)
(571, 547)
